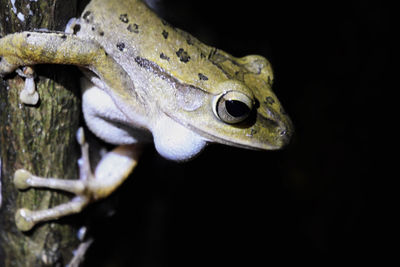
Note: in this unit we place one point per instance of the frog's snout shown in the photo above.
(279, 124)
(285, 132)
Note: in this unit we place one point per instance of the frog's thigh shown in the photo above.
(111, 171)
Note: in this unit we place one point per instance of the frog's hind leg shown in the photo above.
(30, 48)
(111, 171)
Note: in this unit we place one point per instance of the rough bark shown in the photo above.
(39, 138)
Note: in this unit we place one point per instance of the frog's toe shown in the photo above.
(23, 219)
(28, 96)
(21, 178)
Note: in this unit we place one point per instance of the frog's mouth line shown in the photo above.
(247, 142)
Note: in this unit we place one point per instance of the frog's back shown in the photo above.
(130, 28)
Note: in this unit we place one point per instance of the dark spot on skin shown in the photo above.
(124, 18)
(203, 77)
(1, 58)
(252, 132)
(101, 33)
(86, 16)
(183, 55)
(163, 56)
(141, 61)
(28, 35)
(120, 46)
(149, 65)
(133, 28)
(165, 34)
(269, 100)
(63, 37)
(77, 28)
(93, 29)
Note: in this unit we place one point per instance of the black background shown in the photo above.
(322, 199)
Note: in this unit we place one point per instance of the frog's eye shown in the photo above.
(233, 107)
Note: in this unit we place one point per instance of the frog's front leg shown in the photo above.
(111, 171)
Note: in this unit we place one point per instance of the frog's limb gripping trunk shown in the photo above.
(30, 48)
(111, 171)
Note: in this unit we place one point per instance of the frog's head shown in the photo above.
(240, 111)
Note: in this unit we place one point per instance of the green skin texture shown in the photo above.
(151, 69)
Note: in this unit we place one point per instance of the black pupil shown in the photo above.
(236, 108)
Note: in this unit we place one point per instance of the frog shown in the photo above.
(145, 81)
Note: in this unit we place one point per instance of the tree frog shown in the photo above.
(147, 81)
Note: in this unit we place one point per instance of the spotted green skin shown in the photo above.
(162, 71)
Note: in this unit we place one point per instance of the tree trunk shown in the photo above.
(39, 138)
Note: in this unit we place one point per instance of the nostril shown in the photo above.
(284, 132)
